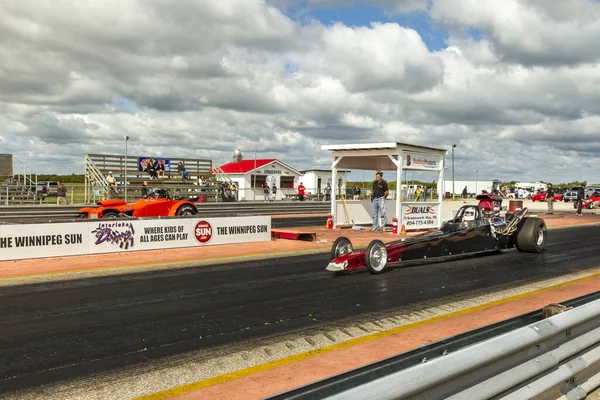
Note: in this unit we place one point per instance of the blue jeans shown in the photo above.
(379, 210)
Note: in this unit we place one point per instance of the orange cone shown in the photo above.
(403, 230)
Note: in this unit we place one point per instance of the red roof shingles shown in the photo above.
(245, 166)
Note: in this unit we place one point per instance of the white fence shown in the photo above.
(110, 236)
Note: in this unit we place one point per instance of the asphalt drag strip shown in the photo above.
(59, 331)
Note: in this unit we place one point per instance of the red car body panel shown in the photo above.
(592, 202)
(542, 197)
(151, 207)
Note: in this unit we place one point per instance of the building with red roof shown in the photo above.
(252, 175)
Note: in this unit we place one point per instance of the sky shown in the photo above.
(515, 84)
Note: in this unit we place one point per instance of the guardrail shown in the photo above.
(557, 357)
(24, 214)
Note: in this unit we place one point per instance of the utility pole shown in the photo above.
(453, 191)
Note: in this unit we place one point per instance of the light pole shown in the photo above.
(476, 181)
(453, 191)
(254, 186)
(126, 139)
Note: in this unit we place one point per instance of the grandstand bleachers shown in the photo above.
(97, 167)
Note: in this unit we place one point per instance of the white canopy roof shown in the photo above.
(374, 156)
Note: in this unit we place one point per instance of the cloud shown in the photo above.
(399, 6)
(515, 87)
(530, 32)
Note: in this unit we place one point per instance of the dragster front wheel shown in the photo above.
(376, 256)
(341, 246)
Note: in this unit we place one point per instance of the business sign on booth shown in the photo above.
(422, 161)
(111, 236)
(420, 215)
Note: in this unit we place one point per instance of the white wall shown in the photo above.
(310, 180)
(472, 186)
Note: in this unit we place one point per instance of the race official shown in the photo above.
(380, 193)
(550, 198)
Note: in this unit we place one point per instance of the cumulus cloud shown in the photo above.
(515, 87)
(399, 6)
(530, 32)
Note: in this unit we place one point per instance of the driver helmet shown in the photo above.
(469, 214)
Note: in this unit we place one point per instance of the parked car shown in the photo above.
(47, 188)
(571, 194)
(542, 197)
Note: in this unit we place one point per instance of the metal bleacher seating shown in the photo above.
(97, 167)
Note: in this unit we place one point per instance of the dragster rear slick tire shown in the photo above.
(376, 256)
(531, 236)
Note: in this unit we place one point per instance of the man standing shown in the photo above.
(550, 198)
(61, 194)
(580, 197)
(301, 190)
(380, 193)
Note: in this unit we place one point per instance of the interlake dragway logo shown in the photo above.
(408, 210)
(116, 233)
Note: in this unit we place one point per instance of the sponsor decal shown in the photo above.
(159, 234)
(40, 240)
(420, 216)
(419, 210)
(421, 162)
(203, 232)
(117, 233)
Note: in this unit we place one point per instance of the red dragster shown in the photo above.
(542, 197)
(159, 206)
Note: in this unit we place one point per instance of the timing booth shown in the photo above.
(393, 156)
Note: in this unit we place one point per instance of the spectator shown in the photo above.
(356, 192)
(144, 189)
(112, 182)
(61, 193)
(580, 197)
(380, 193)
(464, 193)
(160, 168)
(274, 191)
(266, 191)
(301, 190)
(550, 198)
(182, 171)
(328, 192)
(152, 170)
(418, 193)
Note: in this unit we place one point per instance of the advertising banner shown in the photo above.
(111, 236)
(232, 230)
(420, 215)
(425, 162)
(116, 236)
(43, 240)
(145, 162)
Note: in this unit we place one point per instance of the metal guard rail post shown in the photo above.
(558, 357)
